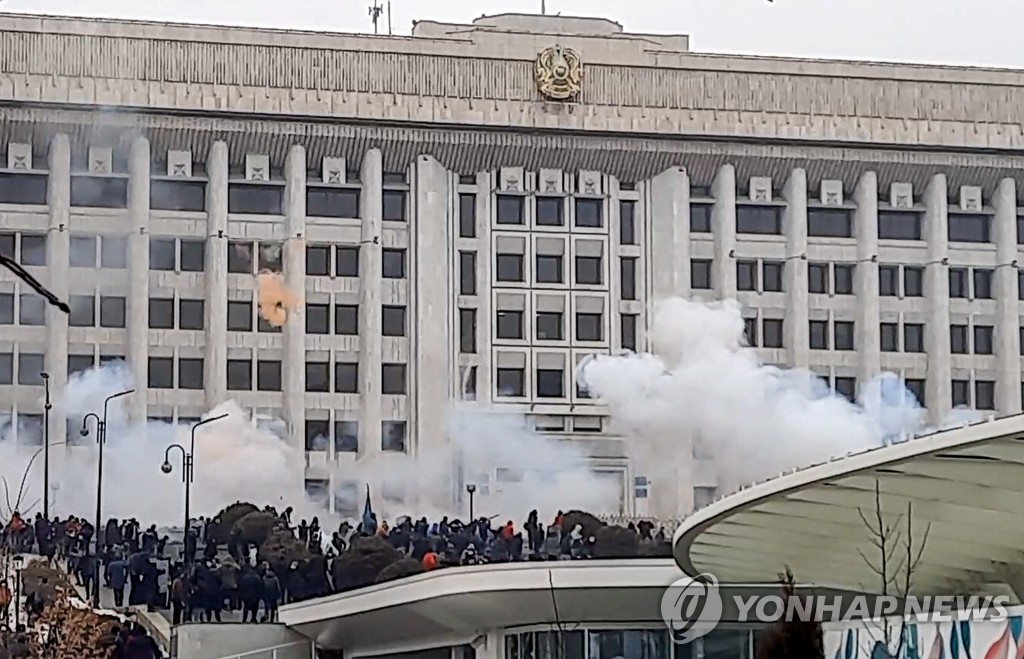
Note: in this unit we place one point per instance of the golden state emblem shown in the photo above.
(559, 73)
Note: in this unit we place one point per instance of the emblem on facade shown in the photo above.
(559, 73)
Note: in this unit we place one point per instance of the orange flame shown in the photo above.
(276, 301)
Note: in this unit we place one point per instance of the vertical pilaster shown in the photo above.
(370, 286)
(484, 373)
(58, 247)
(1007, 339)
(138, 276)
(794, 223)
(668, 234)
(293, 369)
(723, 223)
(938, 392)
(865, 227)
(216, 364)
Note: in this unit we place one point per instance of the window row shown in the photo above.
(550, 211)
(548, 269)
(510, 382)
(344, 435)
(318, 376)
(548, 326)
(164, 375)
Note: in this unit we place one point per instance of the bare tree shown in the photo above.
(897, 559)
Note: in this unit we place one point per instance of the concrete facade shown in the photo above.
(448, 232)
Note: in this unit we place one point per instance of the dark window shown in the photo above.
(467, 273)
(112, 312)
(114, 252)
(239, 375)
(190, 373)
(346, 377)
(255, 199)
(750, 331)
(958, 339)
(700, 273)
(7, 243)
(589, 327)
(270, 257)
(588, 270)
(30, 368)
(262, 325)
(393, 434)
(969, 228)
(346, 319)
(842, 279)
(510, 267)
(239, 316)
(819, 335)
(240, 257)
(191, 314)
(32, 310)
(589, 213)
(844, 335)
(817, 278)
(510, 382)
(958, 282)
(467, 331)
(830, 222)
(700, 218)
(899, 225)
(845, 387)
(984, 395)
(1020, 229)
(82, 252)
(759, 219)
(83, 311)
(99, 191)
(961, 391)
(917, 387)
(161, 372)
(393, 379)
(628, 273)
(982, 284)
(629, 331)
(332, 202)
(550, 211)
(550, 383)
(318, 260)
(346, 436)
(1020, 284)
(393, 321)
(913, 281)
(983, 339)
(510, 209)
(7, 367)
(167, 195)
(509, 324)
(76, 364)
(161, 313)
(394, 205)
(6, 308)
(913, 337)
(889, 280)
(890, 337)
(268, 375)
(549, 326)
(627, 222)
(771, 333)
(346, 262)
(161, 254)
(393, 263)
(746, 275)
(549, 269)
(33, 249)
(771, 276)
(317, 434)
(193, 255)
(318, 376)
(467, 216)
(23, 189)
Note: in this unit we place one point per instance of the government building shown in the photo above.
(470, 211)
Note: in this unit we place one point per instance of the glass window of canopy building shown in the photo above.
(618, 643)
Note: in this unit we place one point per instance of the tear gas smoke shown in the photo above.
(275, 300)
(750, 420)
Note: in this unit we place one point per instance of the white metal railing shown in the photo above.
(262, 653)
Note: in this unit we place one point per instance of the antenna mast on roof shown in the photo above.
(543, 7)
(375, 11)
(390, 31)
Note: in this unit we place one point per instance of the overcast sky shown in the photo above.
(969, 32)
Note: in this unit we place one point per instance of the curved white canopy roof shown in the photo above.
(965, 488)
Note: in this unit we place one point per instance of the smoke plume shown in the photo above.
(275, 300)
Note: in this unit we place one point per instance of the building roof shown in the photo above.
(964, 488)
(458, 603)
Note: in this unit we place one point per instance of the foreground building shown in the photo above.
(472, 210)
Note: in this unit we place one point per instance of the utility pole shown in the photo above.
(390, 31)
(543, 7)
(375, 11)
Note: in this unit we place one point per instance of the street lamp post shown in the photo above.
(46, 445)
(101, 439)
(471, 489)
(187, 476)
(18, 563)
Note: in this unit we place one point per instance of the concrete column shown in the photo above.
(370, 284)
(293, 368)
(794, 223)
(431, 291)
(216, 360)
(723, 223)
(938, 392)
(484, 372)
(668, 235)
(58, 248)
(865, 277)
(1007, 339)
(138, 276)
